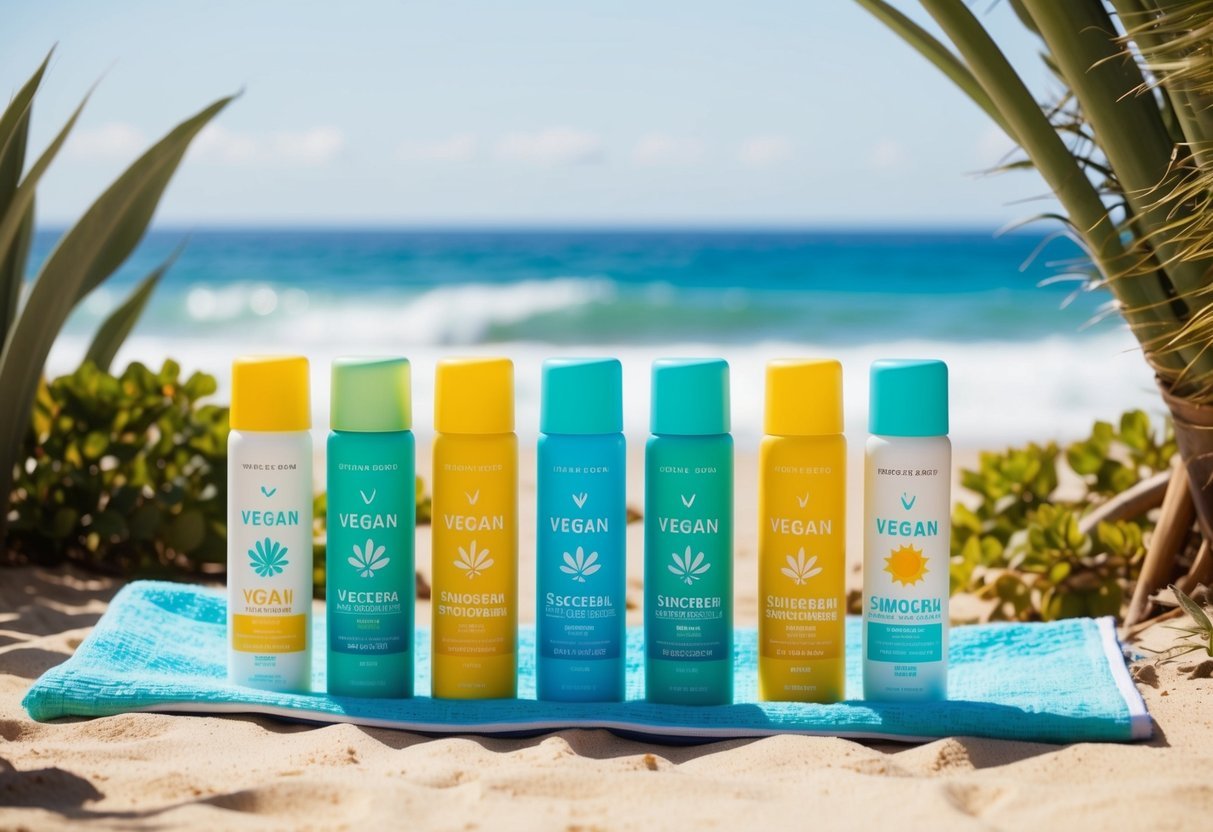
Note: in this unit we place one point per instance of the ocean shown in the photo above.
(1028, 361)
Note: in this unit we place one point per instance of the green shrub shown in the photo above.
(125, 474)
(1021, 546)
(128, 475)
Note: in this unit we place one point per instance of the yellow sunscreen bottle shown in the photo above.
(475, 531)
(802, 535)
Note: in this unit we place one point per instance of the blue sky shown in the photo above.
(550, 113)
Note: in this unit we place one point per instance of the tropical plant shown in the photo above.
(1127, 148)
(84, 257)
(124, 474)
(1037, 554)
(1198, 632)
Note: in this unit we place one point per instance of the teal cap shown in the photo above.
(690, 397)
(909, 397)
(371, 395)
(582, 396)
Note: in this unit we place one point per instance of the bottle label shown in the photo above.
(270, 560)
(475, 571)
(581, 551)
(906, 555)
(802, 566)
(689, 562)
(371, 489)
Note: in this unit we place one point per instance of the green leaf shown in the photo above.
(1144, 299)
(115, 329)
(14, 135)
(1135, 430)
(86, 255)
(1193, 609)
(12, 273)
(23, 198)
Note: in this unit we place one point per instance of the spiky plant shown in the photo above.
(85, 257)
(1127, 148)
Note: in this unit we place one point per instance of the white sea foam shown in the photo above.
(1002, 391)
(462, 313)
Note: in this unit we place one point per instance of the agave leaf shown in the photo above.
(23, 197)
(115, 329)
(84, 256)
(14, 135)
(12, 273)
(1194, 610)
(14, 132)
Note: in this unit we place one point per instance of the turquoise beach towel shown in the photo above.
(161, 647)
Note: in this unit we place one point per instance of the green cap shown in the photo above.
(690, 397)
(909, 398)
(371, 395)
(582, 396)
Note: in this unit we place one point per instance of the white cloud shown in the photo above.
(115, 140)
(554, 145)
(765, 151)
(664, 149)
(887, 154)
(457, 148)
(311, 147)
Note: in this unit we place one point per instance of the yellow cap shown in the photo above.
(804, 397)
(474, 395)
(271, 393)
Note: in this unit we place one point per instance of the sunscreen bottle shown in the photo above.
(369, 575)
(581, 559)
(907, 532)
(802, 535)
(475, 531)
(688, 535)
(269, 525)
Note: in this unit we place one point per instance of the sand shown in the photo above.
(145, 771)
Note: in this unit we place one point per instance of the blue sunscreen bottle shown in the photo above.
(582, 513)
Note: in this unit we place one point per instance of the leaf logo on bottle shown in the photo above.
(369, 559)
(579, 565)
(268, 558)
(473, 561)
(689, 568)
(799, 569)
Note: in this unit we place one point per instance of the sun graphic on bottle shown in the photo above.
(906, 565)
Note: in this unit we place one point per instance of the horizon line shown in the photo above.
(570, 228)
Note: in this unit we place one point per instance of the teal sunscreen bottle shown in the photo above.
(370, 584)
(581, 564)
(688, 535)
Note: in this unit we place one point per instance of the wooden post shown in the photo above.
(1170, 533)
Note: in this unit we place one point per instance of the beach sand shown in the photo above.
(145, 771)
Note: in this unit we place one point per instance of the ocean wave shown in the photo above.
(570, 311)
(1002, 391)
